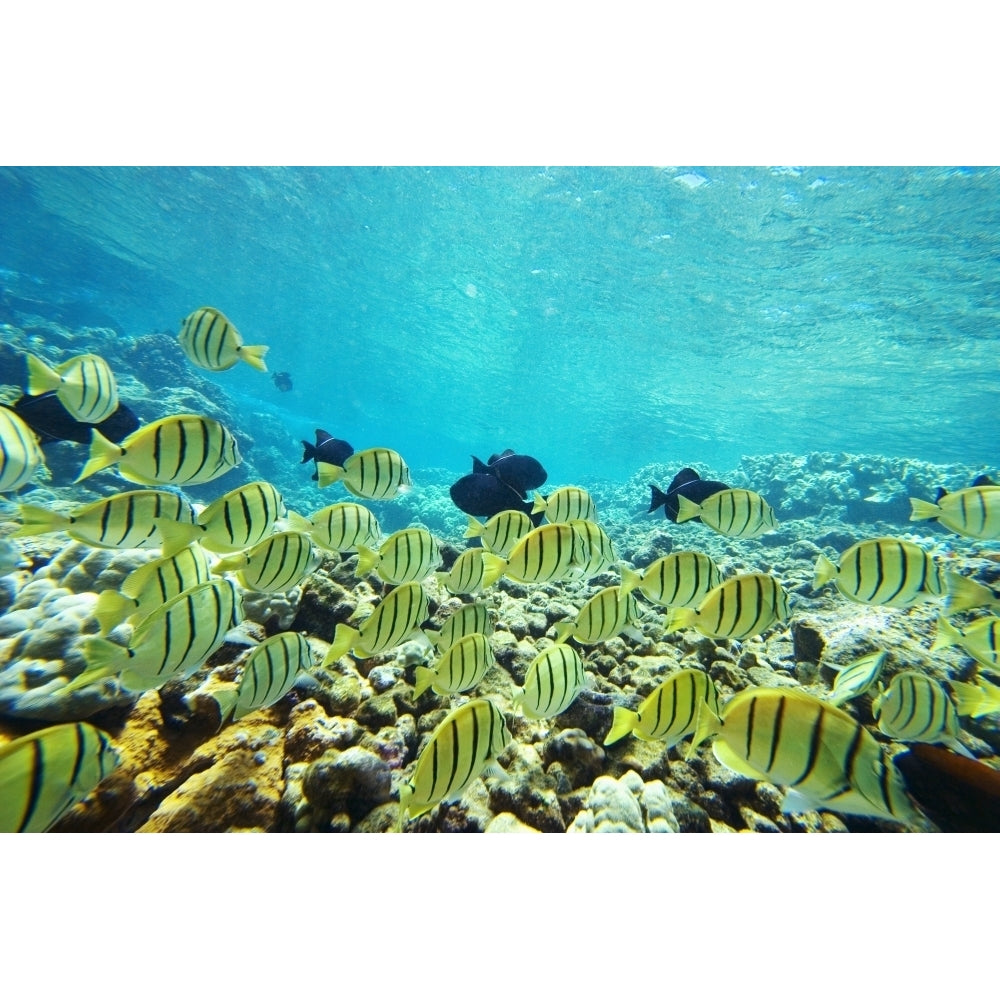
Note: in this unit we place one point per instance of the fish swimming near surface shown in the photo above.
(211, 342)
(327, 449)
(741, 607)
(520, 472)
(282, 381)
(85, 385)
(20, 455)
(973, 512)
(180, 450)
(52, 422)
(686, 483)
(44, 774)
(480, 494)
(372, 474)
(915, 708)
(733, 513)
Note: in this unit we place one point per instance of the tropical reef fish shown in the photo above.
(686, 483)
(123, 521)
(468, 574)
(282, 381)
(397, 615)
(233, 522)
(469, 618)
(856, 677)
(553, 680)
(548, 552)
(972, 512)
(465, 744)
(887, 572)
(482, 494)
(210, 341)
(825, 758)
(607, 614)
(681, 579)
(501, 532)
(599, 547)
(965, 593)
(460, 668)
(568, 503)
(406, 555)
(670, 710)
(273, 566)
(44, 774)
(20, 456)
(52, 422)
(268, 674)
(733, 513)
(976, 700)
(372, 474)
(172, 642)
(342, 527)
(327, 449)
(743, 606)
(520, 472)
(182, 450)
(150, 585)
(981, 640)
(84, 385)
(915, 708)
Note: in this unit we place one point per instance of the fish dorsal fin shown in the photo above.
(479, 468)
(983, 480)
(682, 478)
(322, 436)
(942, 492)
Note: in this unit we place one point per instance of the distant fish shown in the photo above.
(372, 474)
(481, 494)
(553, 680)
(20, 456)
(915, 708)
(856, 677)
(501, 532)
(85, 385)
(568, 503)
(686, 483)
(733, 513)
(460, 668)
(394, 619)
(210, 341)
(52, 422)
(972, 512)
(327, 449)
(520, 472)
(282, 381)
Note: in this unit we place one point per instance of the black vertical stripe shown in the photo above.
(35, 786)
(775, 735)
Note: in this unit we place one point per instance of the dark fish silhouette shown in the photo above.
(961, 795)
(520, 472)
(327, 449)
(283, 380)
(52, 422)
(482, 494)
(686, 483)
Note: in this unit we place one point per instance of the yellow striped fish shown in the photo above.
(469, 618)
(373, 474)
(150, 585)
(733, 513)
(915, 708)
(680, 580)
(406, 555)
(553, 680)
(981, 640)
(466, 742)
(888, 572)
(670, 710)
(398, 614)
(568, 503)
(182, 450)
(973, 512)
(976, 700)
(855, 678)
(20, 455)
(210, 341)
(44, 774)
(233, 522)
(607, 614)
(468, 574)
(548, 552)
(273, 566)
(501, 532)
(743, 606)
(600, 552)
(172, 642)
(270, 671)
(460, 668)
(342, 527)
(84, 385)
(123, 521)
(826, 758)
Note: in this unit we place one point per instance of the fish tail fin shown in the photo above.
(298, 522)
(678, 618)
(343, 639)
(564, 630)
(921, 510)
(38, 520)
(112, 609)
(405, 794)
(707, 724)
(686, 509)
(367, 558)
(622, 724)
(824, 571)
(964, 594)
(327, 474)
(308, 452)
(658, 498)
(231, 563)
(947, 635)
(226, 698)
(538, 507)
(493, 568)
(102, 454)
(424, 677)
(474, 530)
(103, 658)
(967, 697)
(253, 355)
(175, 535)
(630, 580)
(41, 378)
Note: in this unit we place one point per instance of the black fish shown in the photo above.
(283, 380)
(52, 422)
(326, 449)
(519, 472)
(961, 795)
(482, 494)
(687, 483)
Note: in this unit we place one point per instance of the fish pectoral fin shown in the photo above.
(727, 758)
(795, 802)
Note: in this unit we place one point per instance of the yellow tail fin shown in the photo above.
(343, 639)
(474, 530)
(327, 474)
(621, 725)
(176, 535)
(686, 509)
(825, 571)
(253, 355)
(921, 510)
(37, 520)
(41, 378)
(964, 594)
(102, 454)
(112, 609)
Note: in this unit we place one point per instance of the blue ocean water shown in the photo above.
(597, 318)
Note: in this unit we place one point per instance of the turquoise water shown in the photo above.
(599, 319)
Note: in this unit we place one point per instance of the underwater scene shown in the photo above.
(515, 499)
